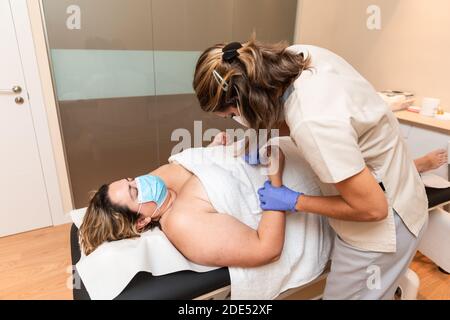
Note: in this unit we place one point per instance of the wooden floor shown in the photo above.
(435, 285)
(36, 265)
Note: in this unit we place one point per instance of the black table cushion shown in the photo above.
(437, 196)
(184, 285)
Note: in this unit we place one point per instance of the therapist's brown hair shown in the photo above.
(261, 73)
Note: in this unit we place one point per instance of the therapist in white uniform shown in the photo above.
(373, 194)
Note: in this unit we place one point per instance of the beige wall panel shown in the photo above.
(105, 24)
(272, 20)
(191, 25)
(410, 52)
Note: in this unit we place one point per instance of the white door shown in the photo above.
(23, 198)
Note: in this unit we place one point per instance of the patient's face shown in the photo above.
(124, 193)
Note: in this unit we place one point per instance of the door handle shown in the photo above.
(14, 90)
(19, 100)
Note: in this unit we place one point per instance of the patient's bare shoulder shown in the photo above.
(189, 215)
(174, 175)
(191, 200)
(194, 194)
(207, 237)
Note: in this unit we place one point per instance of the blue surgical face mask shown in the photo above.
(240, 118)
(151, 189)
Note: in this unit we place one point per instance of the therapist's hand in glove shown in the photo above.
(252, 158)
(257, 156)
(278, 199)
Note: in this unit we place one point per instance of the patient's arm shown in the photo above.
(218, 239)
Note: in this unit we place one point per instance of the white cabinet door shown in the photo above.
(421, 141)
(24, 205)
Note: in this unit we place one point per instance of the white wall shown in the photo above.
(410, 52)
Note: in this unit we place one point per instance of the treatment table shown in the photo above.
(212, 285)
(184, 285)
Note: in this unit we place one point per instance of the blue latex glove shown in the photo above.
(278, 199)
(252, 158)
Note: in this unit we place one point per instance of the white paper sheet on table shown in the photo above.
(109, 269)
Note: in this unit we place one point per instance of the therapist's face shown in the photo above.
(228, 113)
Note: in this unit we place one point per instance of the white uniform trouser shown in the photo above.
(366, 275)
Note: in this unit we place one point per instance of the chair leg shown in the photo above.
(408, 286)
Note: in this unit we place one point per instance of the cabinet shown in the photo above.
(422, 137)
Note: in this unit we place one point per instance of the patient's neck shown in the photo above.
(166, 207)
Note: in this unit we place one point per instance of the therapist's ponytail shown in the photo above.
(257, 77)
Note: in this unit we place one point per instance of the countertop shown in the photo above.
(416, 119)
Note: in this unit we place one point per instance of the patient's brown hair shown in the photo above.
(261, 73)
(106, 221)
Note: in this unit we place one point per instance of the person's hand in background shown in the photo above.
(220, 139)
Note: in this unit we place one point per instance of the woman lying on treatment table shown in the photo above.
(186, 217)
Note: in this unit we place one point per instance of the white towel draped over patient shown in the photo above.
(232, 187)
